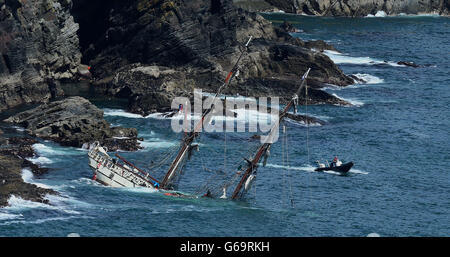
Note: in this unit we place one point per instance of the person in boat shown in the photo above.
(336, 162)
(156, 185)
(333, 163)
(320, 165)
(207, 194)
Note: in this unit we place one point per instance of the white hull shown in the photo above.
(113, 174)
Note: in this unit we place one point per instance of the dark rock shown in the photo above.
(409, 64)
(305, 119)
(358, 80)
(73, 121)
(150, 52)
(12, 161)
(38, 45)
(319, 45)
(288, 27)
(11, 182)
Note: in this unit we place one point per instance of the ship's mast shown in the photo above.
(262, 150)
(188, 139)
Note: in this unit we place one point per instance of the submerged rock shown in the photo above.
(409, 64)
(73, 122)
(305, 119)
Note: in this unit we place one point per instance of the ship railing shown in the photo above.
(107, 162)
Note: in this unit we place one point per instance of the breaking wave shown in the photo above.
(121, 113)
(28, 177)
(157, 143)
(378, 14)
(340, 58)
(40, 160)
(48, 151)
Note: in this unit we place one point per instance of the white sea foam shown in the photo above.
(39, 221)
(28, 177)
(121, 113)
(49, 151)
(40, 160)
(356, 171)
(378, 14)
(57, 203)
(370, 79)
(304, 168)
(381, 14)
(10, 216)
(19, 128)
(340, 58)
(158, 143)
(17, 203)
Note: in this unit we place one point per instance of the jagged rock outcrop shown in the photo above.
(150, 51)
(74, 121)
(13, 154)
(351, 8)
(38, 46)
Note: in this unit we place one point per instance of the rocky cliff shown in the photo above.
(38, 47)
(75, 121)
(152, 51)
(350, 8)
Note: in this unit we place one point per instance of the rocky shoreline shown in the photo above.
(195, 51)
(348, 8)
(75, 122)
(13, 159)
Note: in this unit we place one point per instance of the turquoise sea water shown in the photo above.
(396, 134)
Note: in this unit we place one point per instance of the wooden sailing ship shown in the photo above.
(118, 172)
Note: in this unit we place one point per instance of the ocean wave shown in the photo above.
(356, 171)
(340, 58)
(55, 150)
(157, 143)
(303, 168)
(40, 160)
(17, 203)
(121, 113)
(10, 216)
(378, 14)
(243, 116)
(57, 203)
(28, 177)
(40, 221)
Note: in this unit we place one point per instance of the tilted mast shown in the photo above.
(187, 140)
(248, 175)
